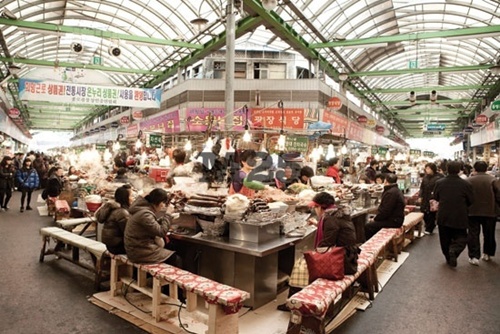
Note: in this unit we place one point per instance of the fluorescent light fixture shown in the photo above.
(366, 46)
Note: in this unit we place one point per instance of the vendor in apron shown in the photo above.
(241, 183)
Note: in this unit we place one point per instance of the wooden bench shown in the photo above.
(96, 249)
(223, 301)
(413, 220)
(71, 223)
(311, 306)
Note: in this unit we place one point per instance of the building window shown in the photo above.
(269, 71)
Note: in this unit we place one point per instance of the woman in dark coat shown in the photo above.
(335, 229)
(28, 180)
(426, 189)
(145, 232)
(114, 215)
(7, 171)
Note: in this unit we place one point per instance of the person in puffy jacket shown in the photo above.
(28, 180)
(114, 215)
(145, 232)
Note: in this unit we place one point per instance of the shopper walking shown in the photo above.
(482, 213)
(7, 171)
(28, 180)
(426, 189)
(455, 197)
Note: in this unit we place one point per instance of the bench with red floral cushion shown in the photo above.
(309, 306)
(223, 301)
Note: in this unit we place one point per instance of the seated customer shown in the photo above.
(121, 175)
(145, 233)
(335, 229)
(114, 216)
(306, 173)
(390, 212)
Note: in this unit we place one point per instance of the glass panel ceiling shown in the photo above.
(338, 21)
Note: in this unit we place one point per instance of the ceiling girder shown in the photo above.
(428, 89)
(420, 102)
(78, 65)
(486, 30)
(56, 28)
(420, 70)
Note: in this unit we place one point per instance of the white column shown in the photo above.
(230, 55)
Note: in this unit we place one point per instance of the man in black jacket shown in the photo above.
(391, 211)
(454, 196)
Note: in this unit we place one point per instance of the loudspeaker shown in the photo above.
(76, 47)
(114, 51)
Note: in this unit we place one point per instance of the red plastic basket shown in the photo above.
(92, 207)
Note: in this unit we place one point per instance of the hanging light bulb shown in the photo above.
(209, 144)
(320, 150)
(377, 156)
(138, 144)
(116, 146)
(281, 142)
(188, 146)
(343, 150)
(388, 155)
(247, 137)
(330, 152)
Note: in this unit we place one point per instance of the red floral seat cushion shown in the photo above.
(213, 292)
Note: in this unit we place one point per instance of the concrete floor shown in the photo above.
(423, 296)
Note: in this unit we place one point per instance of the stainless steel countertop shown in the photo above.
(244, 247)
(357, 213)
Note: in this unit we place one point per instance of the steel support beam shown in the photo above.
(60, 29)
(420, 70)
(79, 65)
(427, 89)
(486, 30)
(420, 102)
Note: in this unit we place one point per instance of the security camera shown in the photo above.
(76, 47)
(114, 51)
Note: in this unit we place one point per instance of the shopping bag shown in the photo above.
(300, 275)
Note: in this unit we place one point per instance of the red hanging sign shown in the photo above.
(380, 130)
(124, 120)
(14, 113)
(481, 119)
(362, 119)
(334, 103)
(137, 114)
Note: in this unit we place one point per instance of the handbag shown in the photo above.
(327, 264)
(299, 278)
(434, 205)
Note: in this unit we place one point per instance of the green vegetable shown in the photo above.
(254, 185)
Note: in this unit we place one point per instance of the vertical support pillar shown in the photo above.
(230, 55)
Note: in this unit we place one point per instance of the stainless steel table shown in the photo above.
(245, 265)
